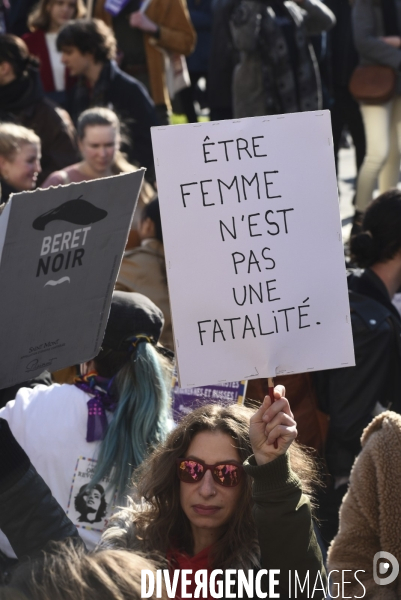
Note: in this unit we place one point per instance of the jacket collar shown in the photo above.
(367, 283)
(22, 93)
(108, 72)
(113, 69)
(5, 191)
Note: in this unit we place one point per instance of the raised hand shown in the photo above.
(272, 421)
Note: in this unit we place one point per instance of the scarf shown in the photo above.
(181, 560)
(21, 93)
(85, 97)
(5, 191)
(101, 400)
(369, 284)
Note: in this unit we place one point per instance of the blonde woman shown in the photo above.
(20, 156)
(99, 139)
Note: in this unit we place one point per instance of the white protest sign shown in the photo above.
(253, 245)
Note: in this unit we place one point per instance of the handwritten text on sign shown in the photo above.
(252, 238)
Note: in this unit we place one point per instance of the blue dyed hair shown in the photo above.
(140, 421)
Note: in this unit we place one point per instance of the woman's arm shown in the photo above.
(284, 523)
(369, 45)
(281, 511)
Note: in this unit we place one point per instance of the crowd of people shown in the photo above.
(97, 481)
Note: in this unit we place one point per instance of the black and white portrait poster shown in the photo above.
(89, 508)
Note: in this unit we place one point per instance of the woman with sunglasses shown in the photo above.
(217, 494)
(220, 494)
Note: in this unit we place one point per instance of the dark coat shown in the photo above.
(223, 57)
(17, 16)
(278, 72)
(130, 100)
(343, 54)
(5, 192)
(349, 395)
(27, 504)
(200, 12)
(22, 101)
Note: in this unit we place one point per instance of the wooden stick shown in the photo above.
(144, 6)
(270, 383)
(89, 10)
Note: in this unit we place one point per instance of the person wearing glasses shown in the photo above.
(220, 494)
(228, 489)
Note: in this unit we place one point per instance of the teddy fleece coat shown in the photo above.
(370, 516)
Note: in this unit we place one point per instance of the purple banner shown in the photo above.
(185, 400)
(114, 7)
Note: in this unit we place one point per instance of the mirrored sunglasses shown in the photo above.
(226, 474)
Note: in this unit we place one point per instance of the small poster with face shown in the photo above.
(253, 246)
(60, 252)
(90, 507)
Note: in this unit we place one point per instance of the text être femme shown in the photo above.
(266, 222)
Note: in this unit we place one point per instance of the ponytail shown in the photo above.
(14, 51)
(140, 420)
(380, 239)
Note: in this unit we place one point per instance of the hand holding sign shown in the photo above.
(272, 422)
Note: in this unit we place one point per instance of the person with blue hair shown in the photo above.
(91, 435)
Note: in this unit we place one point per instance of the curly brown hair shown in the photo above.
(90, 37)
(162, 520)
(67, 572)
